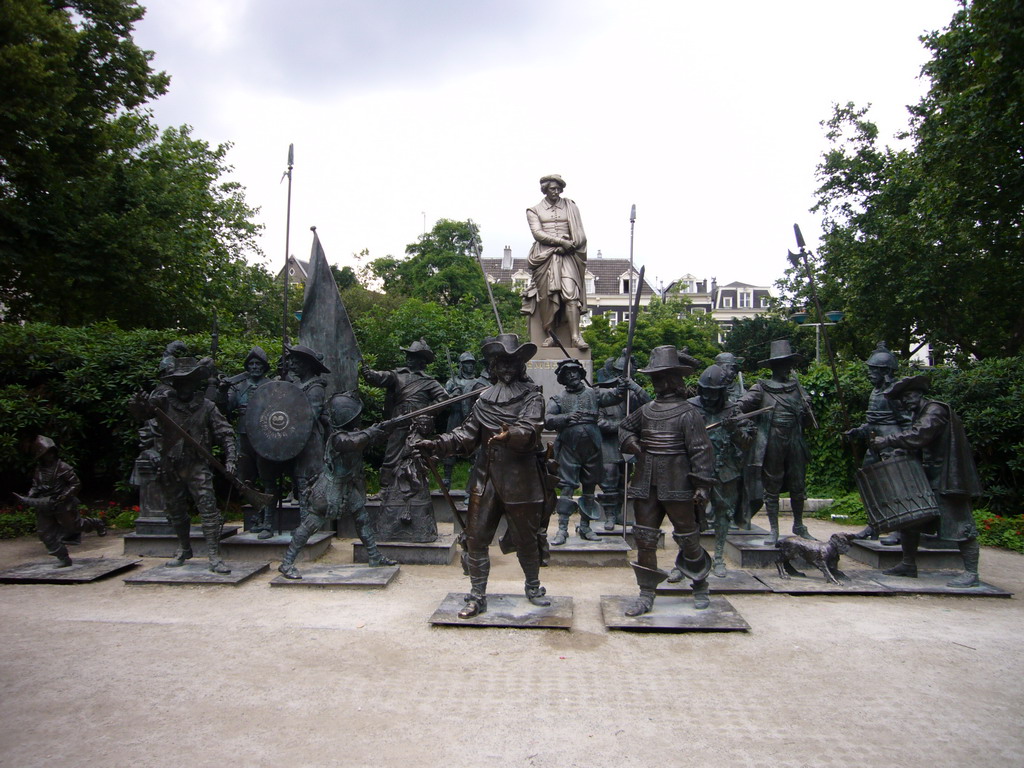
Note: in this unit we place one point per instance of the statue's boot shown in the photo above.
(798, 520)
(572, 316)
(369, 539)
(529, 561)
(212, 535)
(63, 558)
(565, 507)
(479, 569)
(266, 523)
(648, 580)
(310, 525)
(971, 552)
(701, 594)
(184, 551)
(588, 511)
(697, 571)
(867, 533)
(908, 567)
(611, 504)
(721, 531)
(892, 540)
(94, 524)
(771, 509)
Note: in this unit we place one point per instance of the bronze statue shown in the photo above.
(558, 263)
(779, 449)
(340, 488)
(884, 416)
(573, 414)
(734, 375)
(184, 472)
(936, 439)
(53, 497)
(251, 465)
(408, 389)
(508, 475)
(464, 379)
(406, 510)
(674, 474)
(731, 438)
(609, 418)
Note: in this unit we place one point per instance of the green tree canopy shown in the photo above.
(102, 216)
(925, 242)
(751, 338)
(442, 267)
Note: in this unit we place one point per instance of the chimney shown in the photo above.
(506, 258)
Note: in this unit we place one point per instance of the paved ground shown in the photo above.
(110, 675)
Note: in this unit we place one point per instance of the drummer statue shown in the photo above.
(884, 415)
(780, 449)
(936, 439)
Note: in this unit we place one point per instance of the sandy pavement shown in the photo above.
(110, 675)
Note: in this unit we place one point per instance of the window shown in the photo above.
(613, 319)
(591, 284)
(291, 271)
(625, 317)
(626, 285)
(764, 302)
(698, 311)
(746, 300)
(727, 302)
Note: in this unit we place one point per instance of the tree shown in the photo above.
(751, 338)
(442, 267)
(924, 243)
(657, 324)
(102, 216)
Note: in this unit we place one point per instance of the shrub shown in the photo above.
(16, 521)
(994, 531)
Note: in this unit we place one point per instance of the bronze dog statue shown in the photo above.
(824, 555)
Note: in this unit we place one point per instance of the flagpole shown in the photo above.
(287, 248)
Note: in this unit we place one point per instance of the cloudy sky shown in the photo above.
(706, 116)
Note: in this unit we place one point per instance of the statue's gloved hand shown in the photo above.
(376, 433)
(878, 443)
(700, 496)
(425, 447)
(231, 466)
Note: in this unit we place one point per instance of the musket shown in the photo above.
(448, 357)
(254, 497)
(740, 417)
(441, 404)
(475, 245)
(795, 259)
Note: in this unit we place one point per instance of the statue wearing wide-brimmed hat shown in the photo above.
(409, 388)
(558, 263)
(674, 473)
(508, 475)
(184, 473)
(780, 451)
(936, 438)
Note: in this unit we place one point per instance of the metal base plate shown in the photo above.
(881, 556)
(81, 571)
(934, 583)
(439, 552)
(347, 576)
(814, 583)
(735, 582)
(197, 571)
(672, 614)
(507, 611)
(249, 547)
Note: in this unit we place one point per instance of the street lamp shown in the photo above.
(800, 318)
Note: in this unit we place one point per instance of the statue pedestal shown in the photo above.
(542, 367)
(616, 533)
(82, 571)
(507, 611)
(673, 614)
(166, 544)
(751, 552)
(736, 582)
(340, 576)
(197, 572)
(440, 552)
(577, 552)
(247, 548)
(883, 556)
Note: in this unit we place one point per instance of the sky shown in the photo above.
(706, 116)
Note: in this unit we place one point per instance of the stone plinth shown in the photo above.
(246, 547)
(735, 582)
(616, 532)
(605, 553)
(542, 367)
(882, 556)
(285, 519)
(814, 583)
(165, 545)
(440, 552)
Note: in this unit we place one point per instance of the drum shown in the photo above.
(896, 494)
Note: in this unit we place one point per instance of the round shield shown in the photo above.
(278, 420)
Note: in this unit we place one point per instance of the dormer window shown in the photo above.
(727, 302)
(591, 281)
